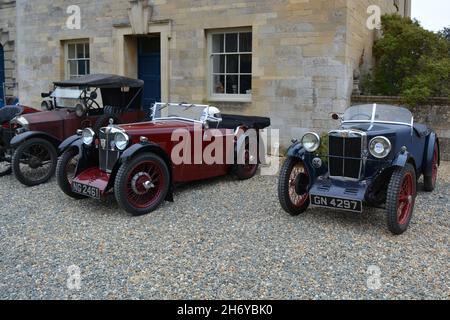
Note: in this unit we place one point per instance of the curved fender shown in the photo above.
(401, 160)
(130, 152)
(73, 141)
(20, 138)
(429, 153)
(296, 150)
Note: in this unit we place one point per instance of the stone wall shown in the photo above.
(435, 114)
(304, 51)
(7, 40)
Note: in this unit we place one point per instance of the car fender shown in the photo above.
(296, 150)
(20, 138)
(429, 153)
(73, 141)
(402, 159)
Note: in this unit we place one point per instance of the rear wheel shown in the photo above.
(429, 182)
(248, 165)
(293, 186)
(5, 162)
(142, 184)
(34, 162)
(401, 197)
(65, 172)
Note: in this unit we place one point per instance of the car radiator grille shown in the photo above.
(108, 154)
(345, 149)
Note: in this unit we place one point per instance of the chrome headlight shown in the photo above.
(21, 121)
(380, 147)
(88, 136)
(311, 141)
(121, 140)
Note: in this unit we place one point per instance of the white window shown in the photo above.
(77, 59)
(230, 65)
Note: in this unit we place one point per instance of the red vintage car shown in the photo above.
(85, 102)
(141, 163)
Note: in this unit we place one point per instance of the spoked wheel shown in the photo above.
(142, 184)
(5, 162)
(429, 182)
(65, 172)
(401, 197)
(249, 164)
(293, 187)
(34, 162)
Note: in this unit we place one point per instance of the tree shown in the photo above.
(410, 61)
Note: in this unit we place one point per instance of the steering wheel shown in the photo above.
(358, 115)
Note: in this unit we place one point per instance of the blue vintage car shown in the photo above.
(374, 159)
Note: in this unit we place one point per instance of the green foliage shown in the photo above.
(323, 150)
(410, 61)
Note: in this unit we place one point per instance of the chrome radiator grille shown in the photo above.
(108, 154)
(345, 153)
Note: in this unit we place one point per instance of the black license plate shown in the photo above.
(337, 203)
(86, 190)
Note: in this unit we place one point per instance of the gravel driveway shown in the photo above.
(221, 239)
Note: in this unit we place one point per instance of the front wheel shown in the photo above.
(65, 172)
(401, 197)
(142, 184)
(293, 187)
(34, 162)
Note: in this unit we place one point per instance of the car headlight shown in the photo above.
(88, 136)
(121, 140)
(380, 147)
(311, 141)
(21, 121)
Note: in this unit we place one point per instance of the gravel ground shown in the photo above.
(221, 239)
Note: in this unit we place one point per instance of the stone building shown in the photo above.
(292, 60)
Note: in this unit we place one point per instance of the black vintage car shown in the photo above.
(375, 159)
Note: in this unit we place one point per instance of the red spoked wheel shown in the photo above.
(293, 187)
(429, 182)
(65, 172)
(401, 197)
(142, 184)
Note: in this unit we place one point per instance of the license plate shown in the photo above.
(86, 190)
(337, 203)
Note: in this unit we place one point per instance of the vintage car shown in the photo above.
(375, 159)
(7, 132)
(88, 101)
(138, 161)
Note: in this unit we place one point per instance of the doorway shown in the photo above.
(149, 68)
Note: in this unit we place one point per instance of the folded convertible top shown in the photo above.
(232, 121)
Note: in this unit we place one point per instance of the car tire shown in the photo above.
(401, 197)
(247, 170)
(292, 202)
(429, 182)
(62, 173)
(49, 153)
(103, 121)
(130, 190)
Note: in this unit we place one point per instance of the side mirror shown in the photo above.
(45, 94)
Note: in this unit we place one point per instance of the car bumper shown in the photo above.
(94, 177)
(344, 189)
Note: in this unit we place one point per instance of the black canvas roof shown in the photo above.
(101, 81)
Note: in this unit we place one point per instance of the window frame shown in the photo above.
(85, 42)
(227, 97)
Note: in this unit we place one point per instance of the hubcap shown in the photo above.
(141, 183)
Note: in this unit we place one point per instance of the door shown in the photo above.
(2, 76)
(149, 69)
